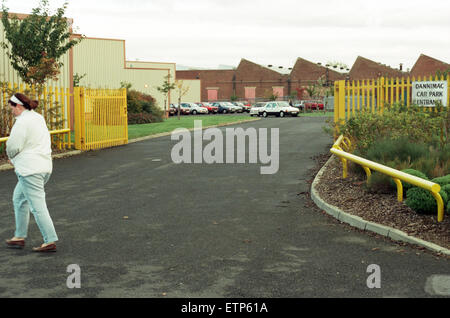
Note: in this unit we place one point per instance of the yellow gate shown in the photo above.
(100, 118)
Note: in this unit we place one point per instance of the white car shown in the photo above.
(279, 109)
(254, 111)
(195, 109)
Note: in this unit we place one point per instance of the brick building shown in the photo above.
(252, 81)
(248, 81)
(426, 66)
(364, 68)
(306, 73)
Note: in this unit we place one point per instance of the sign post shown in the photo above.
(429, 93)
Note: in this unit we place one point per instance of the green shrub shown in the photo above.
(396, 121)
(448, 209)
(400, 149)
(138, 103)
(446, 189)
(422, 201)
(442, 181)
(142, 118)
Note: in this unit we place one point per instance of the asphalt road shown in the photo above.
(139, 225)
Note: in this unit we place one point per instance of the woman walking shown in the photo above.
(29, 151)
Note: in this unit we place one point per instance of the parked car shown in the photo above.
(172, 110)
(254, 110)
(313, 105)
(211, 109)
(278, 108)
(234, 108)
(183, 110)
(223, 107)
(300, 105)
(195, 109)
(242, 106)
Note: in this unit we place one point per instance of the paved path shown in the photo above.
(202, 230)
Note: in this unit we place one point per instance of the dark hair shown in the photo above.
(27, 103)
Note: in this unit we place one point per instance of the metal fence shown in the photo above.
(100, 118)
(54, 106)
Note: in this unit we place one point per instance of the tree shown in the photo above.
(77, 79)
(165, 90)
(312, 90)
(182, 91)
(36, 43)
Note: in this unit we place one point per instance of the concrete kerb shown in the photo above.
(362, 224)
(7, 166)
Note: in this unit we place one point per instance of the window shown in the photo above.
(250, 92)
(212, 94)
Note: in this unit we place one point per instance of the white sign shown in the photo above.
(428, 93)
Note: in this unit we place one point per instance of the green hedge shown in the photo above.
(442, 181)
(422, 201)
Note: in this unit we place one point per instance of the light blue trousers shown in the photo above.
(29, 195)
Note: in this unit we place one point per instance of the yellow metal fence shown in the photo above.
(372, 95)
(100, 118)
(100, 115)
(54, 106)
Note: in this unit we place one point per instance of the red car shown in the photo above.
(314, 105)
(211, 109)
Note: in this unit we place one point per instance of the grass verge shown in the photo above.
(143, 130)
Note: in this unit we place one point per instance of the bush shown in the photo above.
(140, 103)
(400, 149)
(446, 189)
(406, 185)
(422, 201)
(142, 118)
(442, 181)
(395, 122)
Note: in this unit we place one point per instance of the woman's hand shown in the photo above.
(9, 161)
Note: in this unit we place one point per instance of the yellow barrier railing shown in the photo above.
(396, 175)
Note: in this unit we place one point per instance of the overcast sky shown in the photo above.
(207, 33)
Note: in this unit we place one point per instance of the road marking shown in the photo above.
(438, 285)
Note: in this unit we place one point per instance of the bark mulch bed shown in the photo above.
(352, 196)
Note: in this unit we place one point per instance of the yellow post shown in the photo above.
(372, 90)
(358, 96)
(398, 182)
(408, 89)
(125, 111)
(79, 119)
(368, 173)
(336, 108)
(382, 92)
(342, 102)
